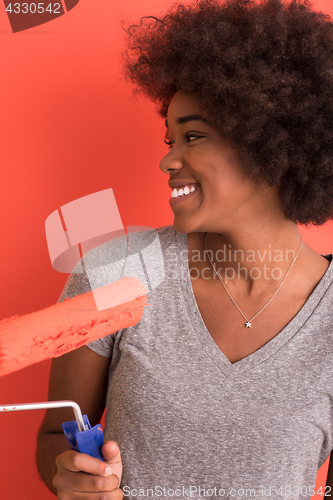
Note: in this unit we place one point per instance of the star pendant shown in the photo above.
(248, 324)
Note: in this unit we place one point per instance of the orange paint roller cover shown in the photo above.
(65, 326)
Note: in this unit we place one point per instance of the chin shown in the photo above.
(184, 226)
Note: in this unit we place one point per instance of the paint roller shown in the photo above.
(79, 433)
(63, 327)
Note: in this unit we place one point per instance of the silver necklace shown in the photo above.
(248, 323)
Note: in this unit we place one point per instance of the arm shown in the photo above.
(329, 481)
(81, 376)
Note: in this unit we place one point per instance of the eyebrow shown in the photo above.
(189, 118)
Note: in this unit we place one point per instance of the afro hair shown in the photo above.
(263, 72)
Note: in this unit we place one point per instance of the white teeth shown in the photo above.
(183, 192)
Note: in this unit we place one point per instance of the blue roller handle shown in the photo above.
(89, 441)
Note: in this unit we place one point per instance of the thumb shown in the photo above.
(111, 455)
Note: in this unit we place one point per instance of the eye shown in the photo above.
(192, 135)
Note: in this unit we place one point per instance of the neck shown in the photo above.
(253, 260)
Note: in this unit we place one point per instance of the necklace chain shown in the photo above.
(248, 323)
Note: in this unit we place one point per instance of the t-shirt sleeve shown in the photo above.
(121, 256)
(78, 284)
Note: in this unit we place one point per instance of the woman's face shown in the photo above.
(200, 156)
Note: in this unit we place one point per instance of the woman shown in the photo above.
(224, 387)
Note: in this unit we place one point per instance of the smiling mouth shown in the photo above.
(181, 199)
(184, 190)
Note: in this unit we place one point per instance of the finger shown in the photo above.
(110, 495)
(111, 454)
(74, 461)
(75, 482)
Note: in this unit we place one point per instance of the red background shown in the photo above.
(70, 127)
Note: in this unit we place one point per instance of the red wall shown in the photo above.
(69, 127)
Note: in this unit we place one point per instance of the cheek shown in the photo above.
(221, 183)
(225, 193)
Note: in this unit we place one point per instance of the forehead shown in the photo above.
(182, 105)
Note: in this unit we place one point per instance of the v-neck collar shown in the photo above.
(209, 345)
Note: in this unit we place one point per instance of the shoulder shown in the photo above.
(135, 240)
(124, 255)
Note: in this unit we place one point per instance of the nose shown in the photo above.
(171, 161)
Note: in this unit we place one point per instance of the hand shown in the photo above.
(82, 477)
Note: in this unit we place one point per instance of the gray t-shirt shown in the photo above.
(189, 423)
